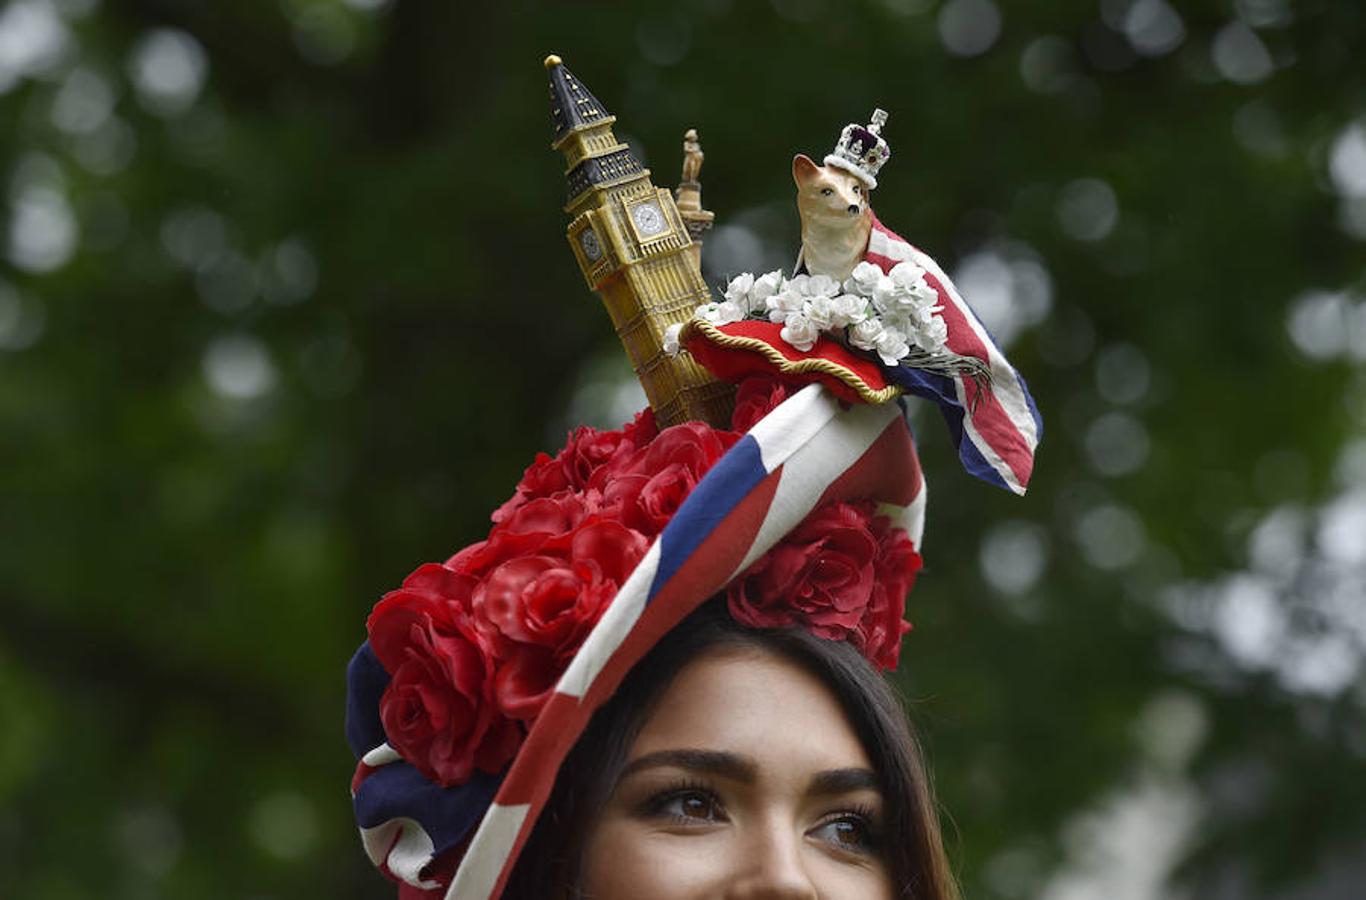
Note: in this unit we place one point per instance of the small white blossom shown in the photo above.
(822, 286)
(671, 345)
(723, 313)
(891, 346)
(924, 294)
(932, 337)
(850, 309)
(799, 331)
(821, 311)
(786, 302)
(884, 295)
(906, 274)
(863, 279)
(921, 316)
(865, 334)
(765, 286)
(738, 290)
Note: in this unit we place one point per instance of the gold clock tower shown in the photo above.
(635, 251)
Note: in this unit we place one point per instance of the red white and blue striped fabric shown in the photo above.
(810, 450)
(996, 429)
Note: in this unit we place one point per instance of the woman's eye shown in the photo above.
(826, 192)
(850, 832)
(689, 805)
(857, 189)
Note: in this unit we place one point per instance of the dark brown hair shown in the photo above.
(549, 864)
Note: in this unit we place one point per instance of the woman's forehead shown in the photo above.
(756, 704)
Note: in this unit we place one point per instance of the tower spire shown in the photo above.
(571, 104)
(583, 133)
(634, 249)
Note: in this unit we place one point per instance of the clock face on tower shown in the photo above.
(649, 219)
(588, 242)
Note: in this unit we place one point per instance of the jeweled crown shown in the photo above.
(861, 150)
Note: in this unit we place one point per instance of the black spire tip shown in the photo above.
(571, 104)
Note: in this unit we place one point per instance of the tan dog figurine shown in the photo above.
(836, 217)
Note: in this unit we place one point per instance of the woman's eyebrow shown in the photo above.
(711, 762)
(842, 781)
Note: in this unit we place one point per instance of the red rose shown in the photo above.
(879, 633)
(502, 544)
(589, 450)
(545, 477)
(648, 492)
(437, 710)
(757, 396)
(586, 454)
(525, 681)
(820, 576)
(535, 610)
(642, 429)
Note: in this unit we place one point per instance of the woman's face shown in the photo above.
(746, 782)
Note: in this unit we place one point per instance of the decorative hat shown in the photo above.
(861, 150)
(794, 491)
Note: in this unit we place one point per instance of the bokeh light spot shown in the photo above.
(1048, 64)
(1123, 375)
(83, 103)
(1110, 536)
(1153, 27)
(1318, 324)
(1240, 56)
(1117, 444)
(33, 40)
(324, 34)
(969, 27)
(42, 230)
(168, 68)
(1013, 556)
(1087, 209)
(1008, 286)
(1347, 161)
(238, 367)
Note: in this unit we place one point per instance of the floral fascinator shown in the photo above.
(784, 479)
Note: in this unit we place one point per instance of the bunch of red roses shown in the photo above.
(475, 645)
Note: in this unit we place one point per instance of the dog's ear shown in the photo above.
(803, 169)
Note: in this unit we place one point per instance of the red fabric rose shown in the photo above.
(589, 455)
(480, 558)
(647, 492)
(545, 477)
(820, 575)
(843, 573)
(879, 633)
(437, 710)
(756, 397)
(533, 611)
(592, 456)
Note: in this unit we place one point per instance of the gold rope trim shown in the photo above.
(786, 366)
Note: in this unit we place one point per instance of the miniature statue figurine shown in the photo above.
(692, 157)
(689, 195)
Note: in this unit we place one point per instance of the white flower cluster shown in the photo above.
(885, 314)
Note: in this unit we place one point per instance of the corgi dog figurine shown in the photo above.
(836, 218)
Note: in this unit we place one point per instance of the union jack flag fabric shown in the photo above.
(996, 428)
(810, 450)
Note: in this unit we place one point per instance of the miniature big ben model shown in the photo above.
(635, 251)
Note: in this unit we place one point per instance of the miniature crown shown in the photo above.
(861, 151)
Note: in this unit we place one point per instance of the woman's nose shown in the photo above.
(771, 867)
(853, 208)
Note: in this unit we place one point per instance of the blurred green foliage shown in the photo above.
(286, 307)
